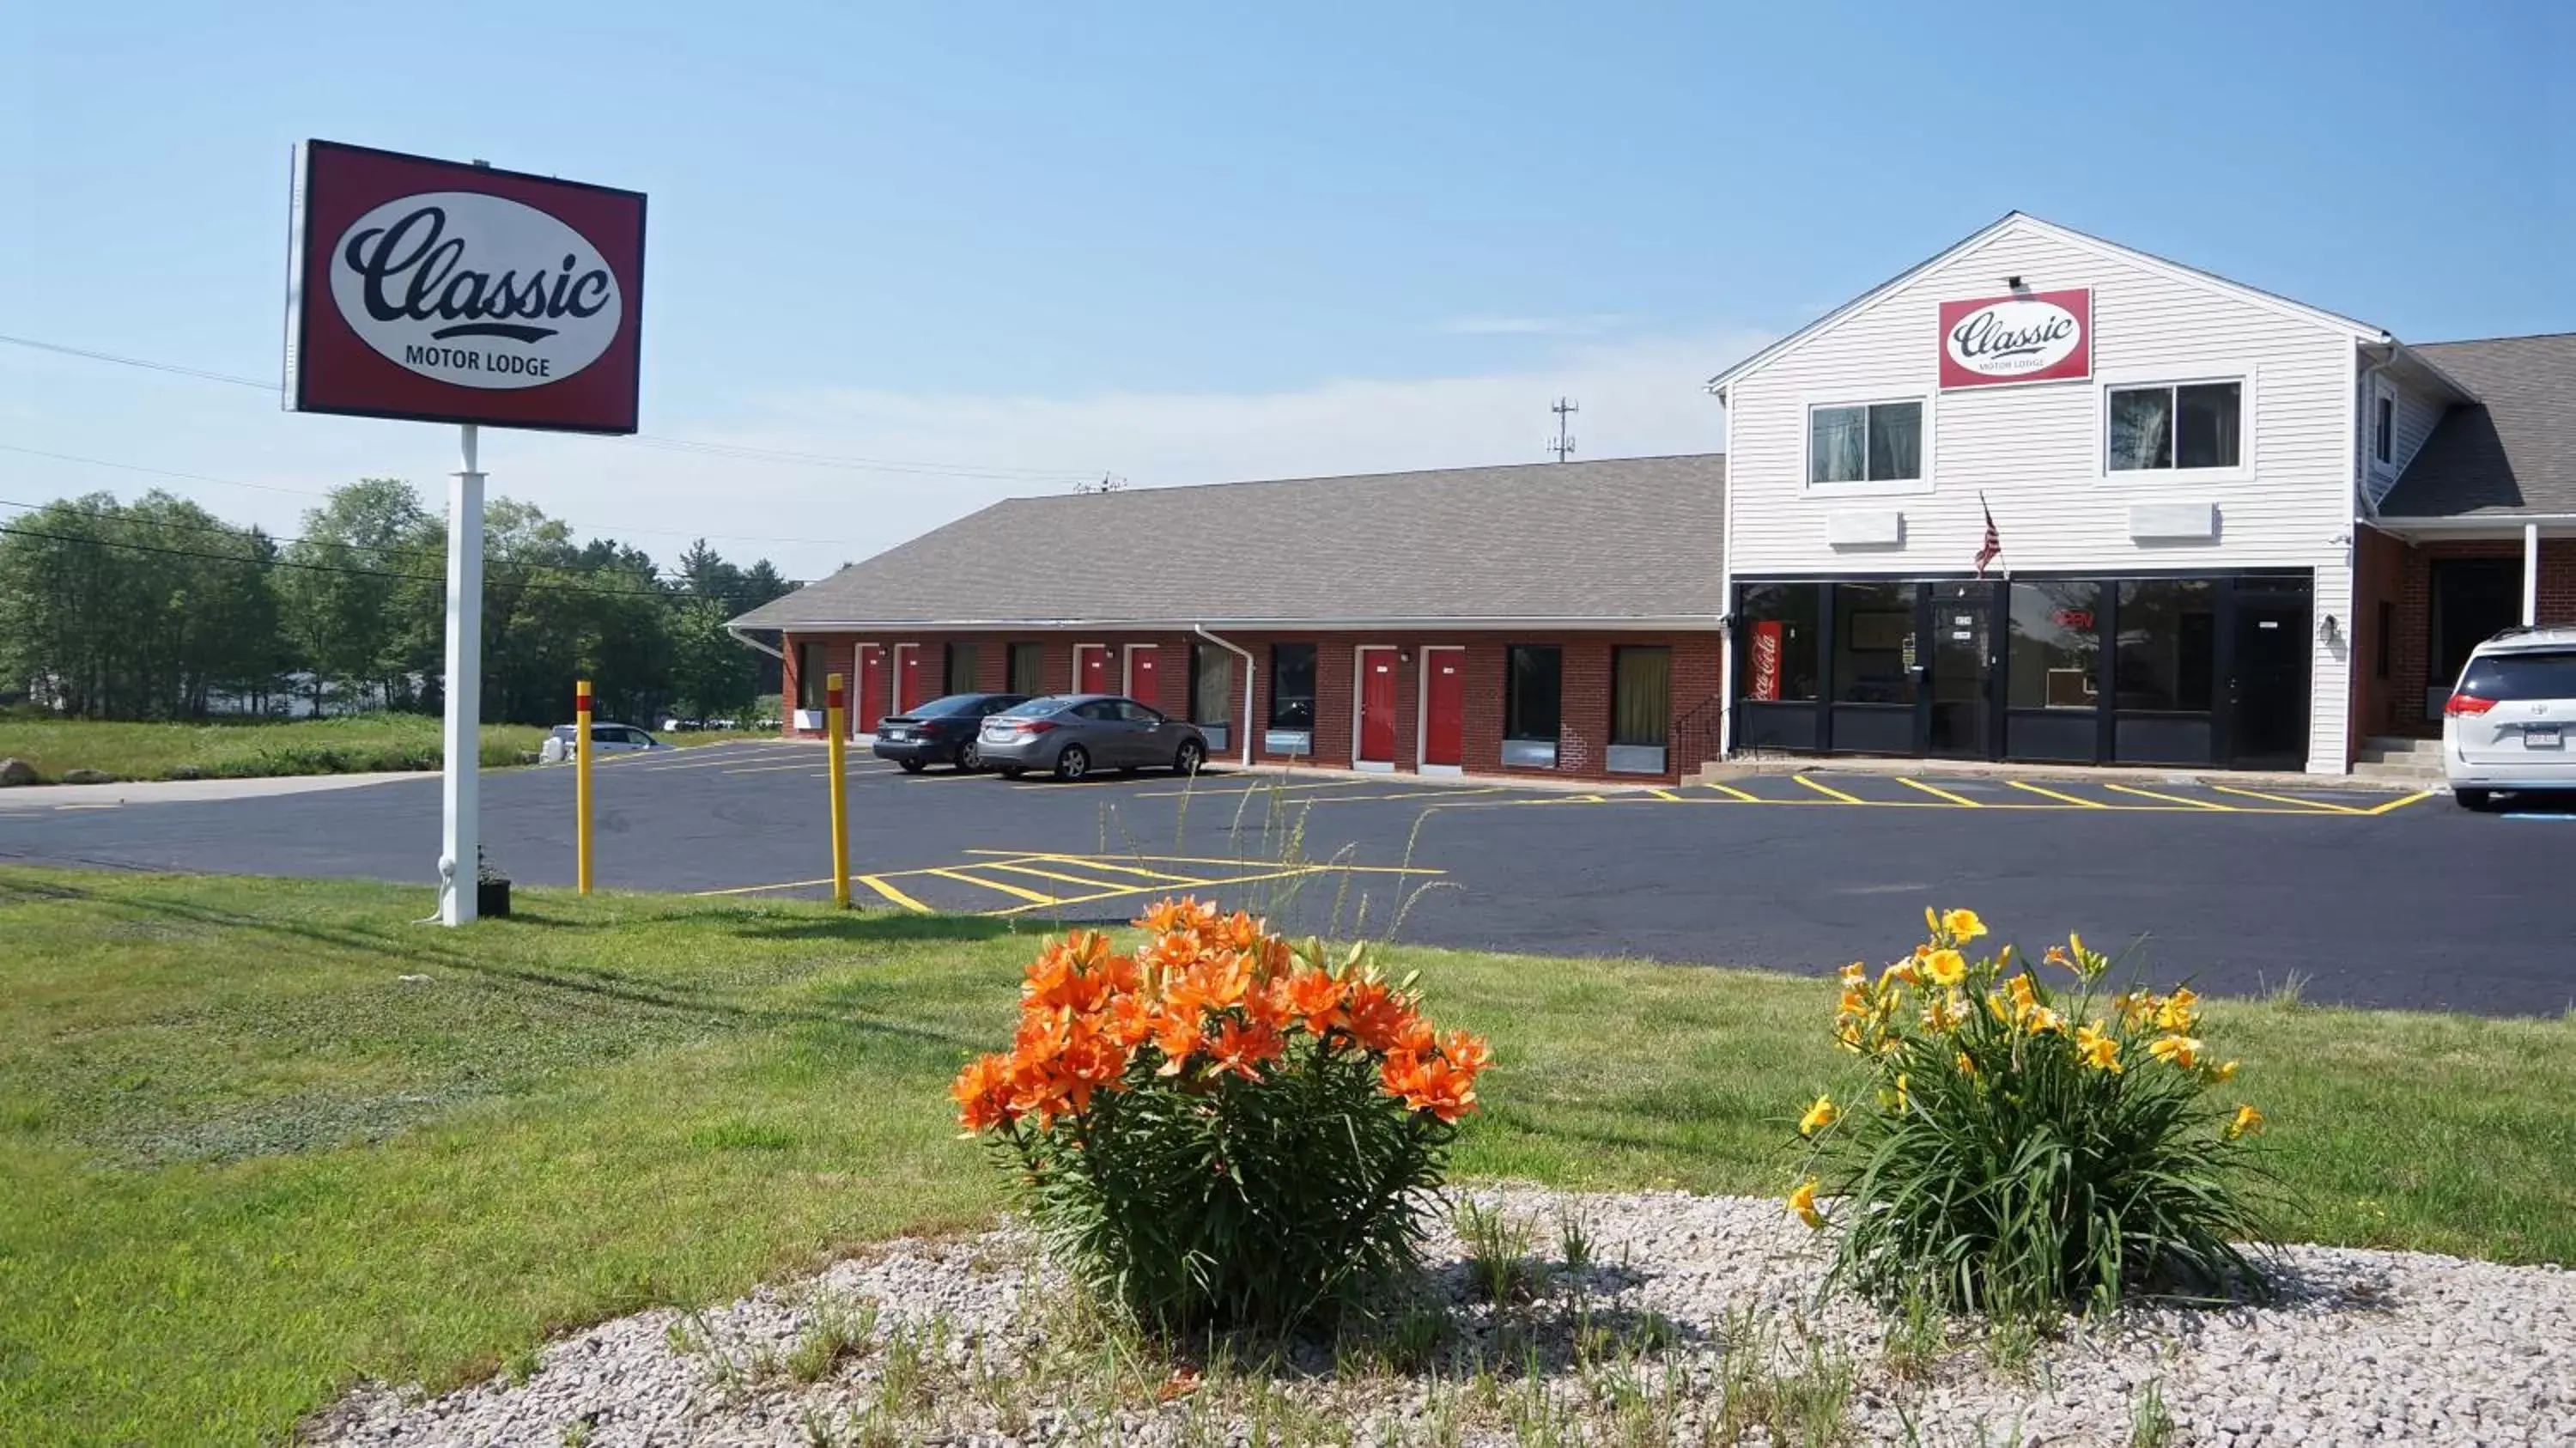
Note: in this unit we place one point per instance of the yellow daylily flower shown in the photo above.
(1946, 1013)
(2043, 1020)
(1903, 1100)
(1967, 1067)
(1803, 1202)
(1901, 973)
(1855, 973)
(2097, 1049)
(2182, 1051)
(2248, 1121)
(1945, 967)
(2179, 1012)
(1963, 924)
(1931, 920)
(2223, 1072)
(1819, 1116)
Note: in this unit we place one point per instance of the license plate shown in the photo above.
(897, 734)
(2539, 736)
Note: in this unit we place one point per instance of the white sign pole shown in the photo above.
(460, 787)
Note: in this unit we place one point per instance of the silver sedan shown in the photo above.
(1074, 734)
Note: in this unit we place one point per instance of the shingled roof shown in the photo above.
(1620, 541)
(2513, 452)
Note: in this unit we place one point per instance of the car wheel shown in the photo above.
(969, 758)
(1012, 771)
(910, 766)
(2476, 799)
(1073, 763)
(1192, 754)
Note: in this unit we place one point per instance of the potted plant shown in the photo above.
(491, 888)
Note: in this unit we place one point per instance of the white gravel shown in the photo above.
(1703, 1327)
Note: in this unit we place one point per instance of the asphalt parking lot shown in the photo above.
(2356, 896)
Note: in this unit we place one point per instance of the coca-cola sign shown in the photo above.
(1766, 660)
(2023, 337)
(431, 290)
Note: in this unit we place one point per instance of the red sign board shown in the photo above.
(442, 292)
(2024, 337)
(1766, 660)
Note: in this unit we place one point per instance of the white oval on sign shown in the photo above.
(476, 290)
(2013, 338)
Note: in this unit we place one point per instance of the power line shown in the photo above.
(657, 594)
(994, 472)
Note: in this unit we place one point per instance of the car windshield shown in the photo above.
(1033, 708)
(2536, 674)
(949, 704)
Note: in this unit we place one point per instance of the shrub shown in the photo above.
(2017, 1147)
(1222, 1130)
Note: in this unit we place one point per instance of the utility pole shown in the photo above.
(1563, 445)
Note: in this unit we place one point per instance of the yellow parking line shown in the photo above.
(1665, 794)
(893, 894)
(2307, 804)
(2054, 794)
(960, 875)
(2400, 803)
(1935, 790)
(1071, 859)
(1252, 788)
(1828, 791)
(757, 889)
(1131, 890)
(2168, 798)
(1158, 877)
(1052, 875)
(1729, 789)
(655, 763)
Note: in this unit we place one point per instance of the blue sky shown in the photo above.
(1183, 243)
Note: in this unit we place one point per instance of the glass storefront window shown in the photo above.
(1874, 643)
(2168, 648)
(2056, 644)
(1778, 622)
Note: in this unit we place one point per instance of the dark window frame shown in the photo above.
(1514, 730)
(1312, 656)
(2383, 438)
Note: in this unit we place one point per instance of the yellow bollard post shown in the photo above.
(835, 724)
(581, 783)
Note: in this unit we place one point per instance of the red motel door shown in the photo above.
(907, 684)
(1143, 685)
(1377, 705)
(1091, 668)
(1444, 712)
(872, 689)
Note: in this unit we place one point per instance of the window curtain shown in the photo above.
(1838, 444)
(1212, 690)
(2141, 429)
(1896, 440)
(1641, 705)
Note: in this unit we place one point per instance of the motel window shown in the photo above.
(1292, 686)
(1778, 623)
(1028, 669)
(2056, 644)
(2168, 428)
(1211, 684)
(810, 671)
(959, 677)
(1533, 685)
(2168, 648)
(1874, 650)
(1641, 695)
(2383, 428)
(1875, 442)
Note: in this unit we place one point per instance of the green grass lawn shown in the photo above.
(244, 1162)
(240, 749)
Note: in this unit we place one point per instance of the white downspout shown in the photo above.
(749, 642)
(1246, 655)
(2530, 575)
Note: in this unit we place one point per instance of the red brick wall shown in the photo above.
(2403, 705)
(1584, 708)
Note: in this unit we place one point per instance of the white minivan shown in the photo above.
(2508, 724)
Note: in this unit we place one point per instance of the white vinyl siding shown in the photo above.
(2416, 417)
(2036, 451)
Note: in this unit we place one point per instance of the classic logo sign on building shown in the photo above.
(429, 290)
(2025, 337)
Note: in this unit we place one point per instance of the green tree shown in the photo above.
(346, 605)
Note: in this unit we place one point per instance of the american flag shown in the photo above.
(1993, 547)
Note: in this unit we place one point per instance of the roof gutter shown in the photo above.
(1246, 655)
(2497, 523)
(748, 641)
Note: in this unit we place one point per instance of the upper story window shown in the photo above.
(1872, 442)
(2383, 428)
(2173, 426)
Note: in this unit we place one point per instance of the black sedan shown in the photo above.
(942, 731)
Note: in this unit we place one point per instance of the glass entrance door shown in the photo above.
(1960, 722)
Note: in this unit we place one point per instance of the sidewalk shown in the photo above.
(1978, 768)
(183, 791)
